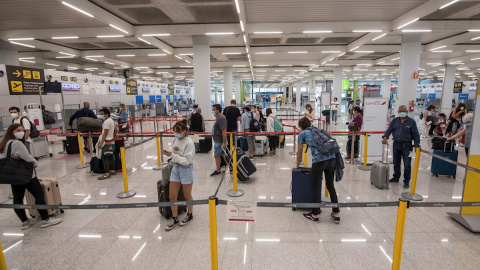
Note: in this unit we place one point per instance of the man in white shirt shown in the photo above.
(17, 117)
(107, 144)
(335, 107)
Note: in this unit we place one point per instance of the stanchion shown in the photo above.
(231, 142)
(212, 211)
(235, 192)
(399, 232)
(411, 195)
(127, 193)
(305, 156)
(159, 156)
(294, 152)
(3, 263)
(82, 162)
(365, 166)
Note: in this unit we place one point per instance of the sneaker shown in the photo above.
(406, 185)
(113, 173)
(310, 216)
(188, 218)
(336, 218)
(348, 157)
(393, 180)
(215, 173)
(172, 225)
(103, 177)
(28, 223)
(50, 222)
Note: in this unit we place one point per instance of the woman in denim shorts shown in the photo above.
(182, 175)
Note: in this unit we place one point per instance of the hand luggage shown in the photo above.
(48, 118)
(243, 143)
(205, 145)
(51, 191)
(163, 190)
(441, 167)
(261, 146)
(89, 124)
(96, 165)
(71, 145)
(380, 172)
(245, 166)
(440, 143)
(301, 186)
(280, 141)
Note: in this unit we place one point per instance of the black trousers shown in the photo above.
(272, 142)
(318, 168)
(36, 190)
(108, 163)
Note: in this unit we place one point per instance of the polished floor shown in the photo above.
(278, 239)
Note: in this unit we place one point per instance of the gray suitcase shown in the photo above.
(380, 172)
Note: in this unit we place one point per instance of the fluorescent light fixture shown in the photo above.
(89, 236)
(245, 39)
(141, 39)
(239, 65)
(412, 21)
(156, 35)
(74, 68)
(298, 52)
(264, 52)
(284, 65)
(77, 9)
(19, 39)
(228, 53)
(475, 38)
(268, 32)
(64, 37)
(331, 51)
(125, 55)
(140, 68)
(416, 30)
(438, 48)
(186, 66)
(280, 70)
(94, 56)
(367, 31)
(110, 36)
(354, 48)
(443, 51)
(156, 54)
(395, 59)
(13, 234)
(22, 44)
(49, 64)
(238, 6)
(119, 29)
(91, 68)
(218, 33)
(317, 31)
(473, 59)
(382, 35)
(262, 65)
(181, 72)
(364, 51)
(21, 58)
(67, 56)
(138, 252)
(185, 54)
(448, 4)
(241, 26)
(164, 67)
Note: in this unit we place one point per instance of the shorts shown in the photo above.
(217, 149)
(182, 174)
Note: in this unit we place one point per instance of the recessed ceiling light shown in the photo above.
(156, 35)
(448, 4)
(416, 30)
(412, 21)
(219, 33)
(264, 52)
(22, 44)
(298, 52)
(119, 29)
(64, 37)
(77, 9)
(367, 31)
(94, 56)
(317, 31)
(268, 32)
(111, 36)
(227, 53)
(125, 55)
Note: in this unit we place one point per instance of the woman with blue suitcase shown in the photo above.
(467, 130)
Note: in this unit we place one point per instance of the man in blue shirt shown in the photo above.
(404, 131)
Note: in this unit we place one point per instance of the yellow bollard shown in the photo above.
(3, 263)
(305, 156)
(82, 162)
(159, 158)
(235, 177)
(231, 142)
(212, 201)
(415, 171)
(126, 193)
(365, 151)
(326, 191)
(399, 232)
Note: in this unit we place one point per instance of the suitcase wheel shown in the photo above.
(294, 209)
(454, 177)
(62, 211)
(436, 175)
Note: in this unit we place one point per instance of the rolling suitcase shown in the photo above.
(51, 192)
(71, 145)
(96, 165)
(380, 173)
(118, 160)
(441, 167)
(301, 186)
(163, 190)
(245, 167)
(243, 143)
(205, 145)
(261, 146)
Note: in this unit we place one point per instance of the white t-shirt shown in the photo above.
(335, 105)
(26, 126)
(110, 125)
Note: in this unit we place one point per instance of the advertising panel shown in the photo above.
(375, 120)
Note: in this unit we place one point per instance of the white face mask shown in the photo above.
(462, 108)
(14, 115)
(19, 135)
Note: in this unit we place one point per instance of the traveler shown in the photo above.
(85, 112)
(355, 125)
(48, 116)
(455, 117)
(25, 113)
(233, 115)
(467, 130)
(247, 117)
(182, 173)
(441, 128)
(429, 118)
(14, 136)
(358, 102)
(335, 108)
(272, 139)
(309, 112)
(404, 131)
(123, 120)
(219, 133)
(320, 164)
(18, 119)
(194, 110)
(107, 144)
(197, 124)
(350, 108)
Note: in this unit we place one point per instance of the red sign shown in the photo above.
(415, 75)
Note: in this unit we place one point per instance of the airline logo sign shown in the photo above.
(375, 103)
(24, 81)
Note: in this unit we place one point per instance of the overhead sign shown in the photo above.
(159, 99)
(241, 211)
(462, 96)
(457, 87)
(139, 100)
(64, 78)
(24, 81)
(73, 79)
(132, 88)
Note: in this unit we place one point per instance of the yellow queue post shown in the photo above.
(212, 214)
(412, 195)
(399, 233)
(159, 157)
(231, 142)
(80, 149)
(365, 155)
(3, 263)
(235, 192)
(305, 156)
(126, 193)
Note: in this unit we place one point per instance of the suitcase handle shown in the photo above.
(383, 153)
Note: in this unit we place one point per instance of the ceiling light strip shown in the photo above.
(412, 21)
(77, 9)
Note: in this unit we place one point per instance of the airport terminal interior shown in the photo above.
(159, 58)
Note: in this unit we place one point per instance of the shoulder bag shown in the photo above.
(15, 171)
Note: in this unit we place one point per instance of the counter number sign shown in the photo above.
(457, 87)
(131, 87)
(64, 78)
(24, 81)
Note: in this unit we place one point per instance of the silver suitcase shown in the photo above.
(380, 172)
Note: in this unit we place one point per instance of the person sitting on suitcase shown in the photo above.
(107, 144)
(85, 112)
(404, 131)
(182, 174)
(320, 164)
(15, 137)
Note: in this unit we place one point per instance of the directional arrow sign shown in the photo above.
(18, 73)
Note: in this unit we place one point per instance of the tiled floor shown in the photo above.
(278, 239)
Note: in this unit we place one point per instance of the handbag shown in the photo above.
(108, 148)
(440, 143)
(15, 171)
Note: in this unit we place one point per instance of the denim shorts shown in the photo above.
(182, 174)
(217, 149)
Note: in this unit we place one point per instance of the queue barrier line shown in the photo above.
(451, 161)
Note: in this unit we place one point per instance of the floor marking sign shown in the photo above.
(241, 211)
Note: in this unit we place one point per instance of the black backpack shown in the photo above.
(254, 125)
(34, 133)
(48, 118)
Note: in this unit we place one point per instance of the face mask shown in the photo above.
(101, 117)
(14, 115)
(19, 135)
(462, 108)
(177, 135)
(402, 114)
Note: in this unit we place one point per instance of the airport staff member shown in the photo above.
(85, 112)
(404, 131)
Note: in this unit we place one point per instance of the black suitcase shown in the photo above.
(96, 165)
(205, 145)
(245, 166)
(163, 190)
(71, 145)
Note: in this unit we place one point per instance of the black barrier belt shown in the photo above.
(443, 204)
(451, 161)
(327, 205)
(106, 206)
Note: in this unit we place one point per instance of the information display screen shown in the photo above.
(114, 88)
(146, 90)
(70, 86)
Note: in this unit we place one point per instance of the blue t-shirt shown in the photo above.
(306, 137)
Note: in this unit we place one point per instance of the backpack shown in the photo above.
(34, 133)
(254, 125)
(325, 143)
(277, 125)
(48, 118)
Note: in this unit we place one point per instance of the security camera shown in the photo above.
(85, 80)
(49, 77)
(102, 81)
(2, 73)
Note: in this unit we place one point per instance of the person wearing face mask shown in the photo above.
(182, 174)
(18, 119)
(404, 131)
(107, 144)
(219, 133)
(14, 137)
(25, 113)
(335, 107)
(455, 117)
(85, 112)
(467, 130)
(441, 128)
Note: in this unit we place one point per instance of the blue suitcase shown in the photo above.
(301, 186)
(440, 167)
(243, 143)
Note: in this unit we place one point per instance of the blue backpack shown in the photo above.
(254, 125)
(325, 143)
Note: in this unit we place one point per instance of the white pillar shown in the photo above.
(409, 64)
(298, 95)
(463, 78)
(238, 83)
(201, 71)
(9, 57)
(337, 83)
(227, 86)
(387, 86)
(447, 92)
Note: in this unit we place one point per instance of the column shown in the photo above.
(238, 83)
(298, 96)
(447, 92)
(201, 71)
(463, 78)
(8, 56)
(337, 83)
(409, 64)
(227, 86)
(387, 86)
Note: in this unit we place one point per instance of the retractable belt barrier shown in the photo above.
(451, 161)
